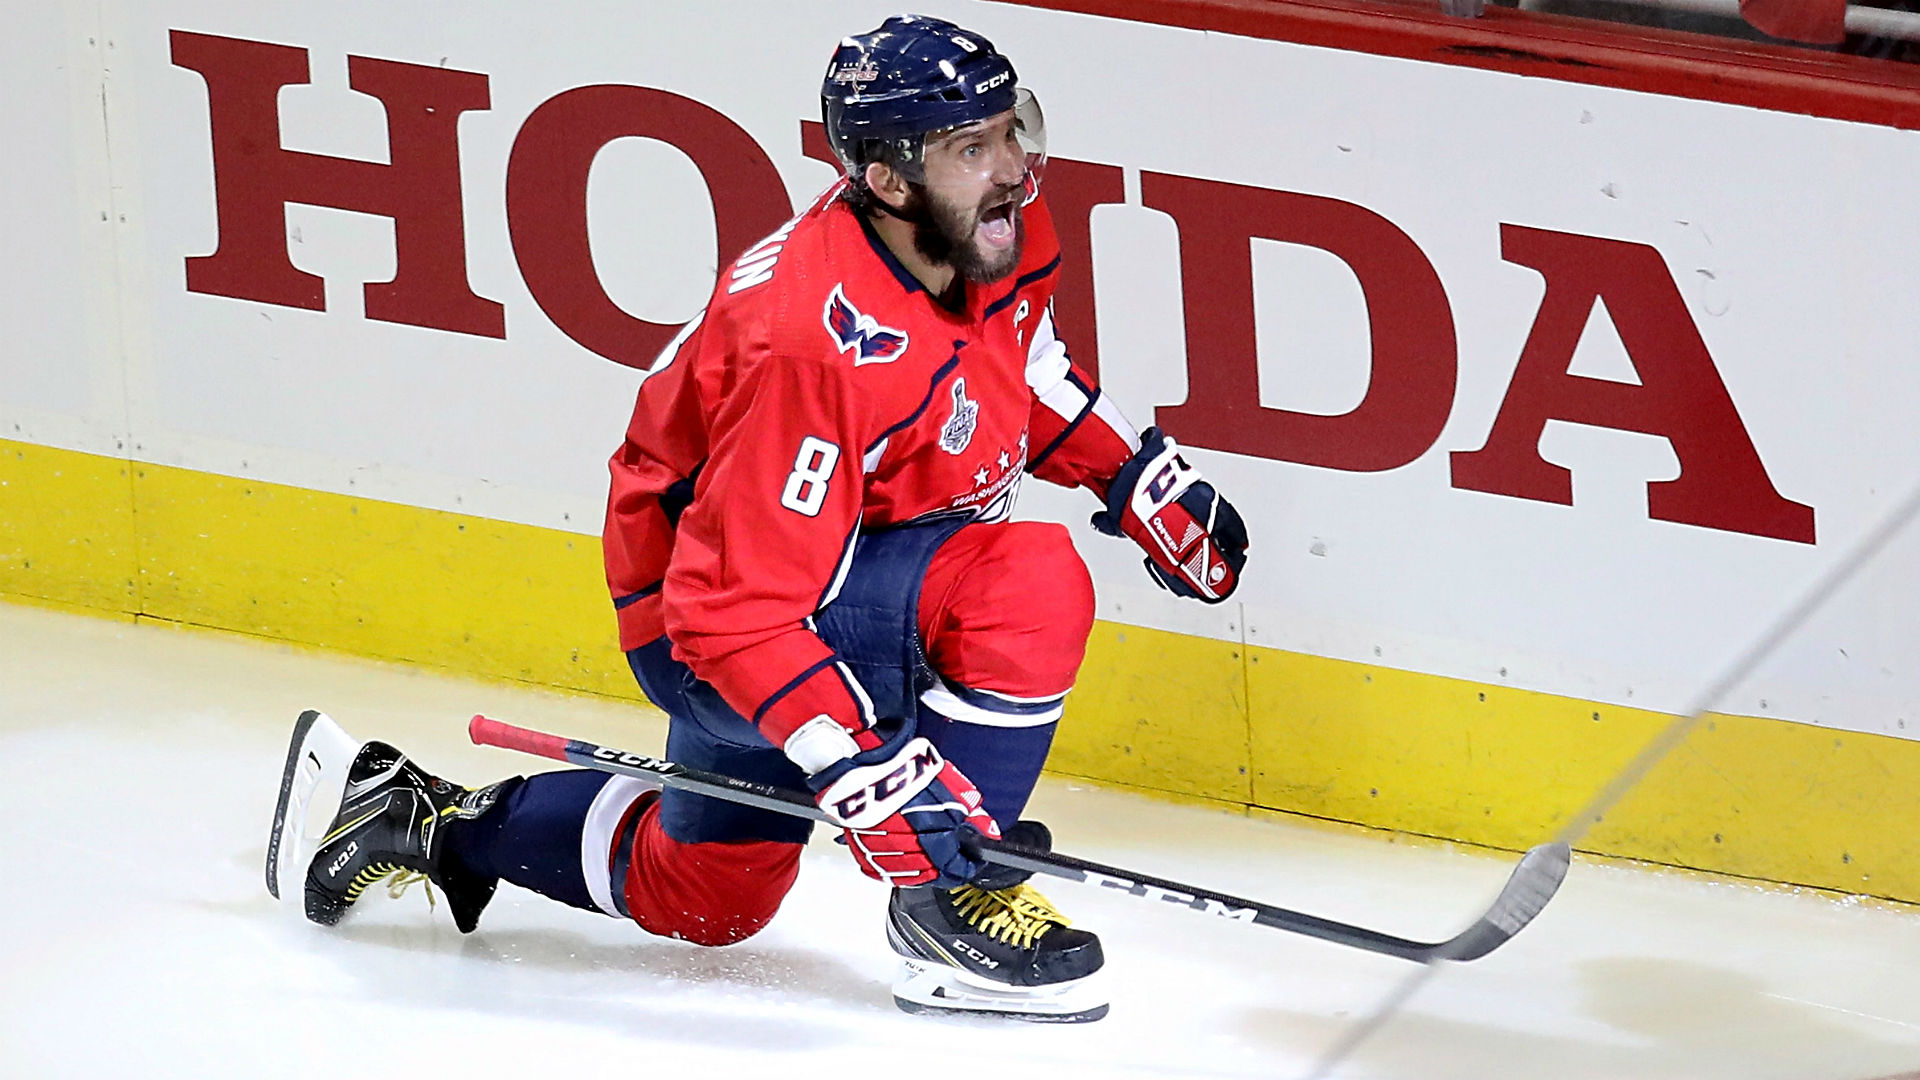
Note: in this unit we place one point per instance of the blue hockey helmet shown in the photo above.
(885, 90)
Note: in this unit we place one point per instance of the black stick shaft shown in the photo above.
(488, 732)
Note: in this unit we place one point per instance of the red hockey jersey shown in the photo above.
(823, 392)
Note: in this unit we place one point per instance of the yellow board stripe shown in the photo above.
(1504, 767)
(66, 528)
(379, 579)
(1162, 712)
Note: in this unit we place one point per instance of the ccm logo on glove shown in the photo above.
(906, 810)
(865, 796)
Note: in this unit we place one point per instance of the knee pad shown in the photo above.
(706, 893)
(1006, 609)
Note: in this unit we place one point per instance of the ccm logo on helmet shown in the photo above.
(993, 82)
(891, 784)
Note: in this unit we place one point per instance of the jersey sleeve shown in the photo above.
(765, 542)
(1078, 435)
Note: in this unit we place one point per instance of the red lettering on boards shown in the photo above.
(254, 179)
(1414, 364)
(1410, 391)
(547, 202)
(1722, 483)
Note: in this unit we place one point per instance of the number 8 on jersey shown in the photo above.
(812, 470)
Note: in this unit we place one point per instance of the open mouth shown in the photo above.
(997, 223)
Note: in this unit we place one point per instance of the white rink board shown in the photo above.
(60, 367)
(1775, 228)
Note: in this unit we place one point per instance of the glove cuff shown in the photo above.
(1120, 490)
(818, 743)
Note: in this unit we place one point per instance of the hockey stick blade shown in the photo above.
(1533, 883)
(1526, 893)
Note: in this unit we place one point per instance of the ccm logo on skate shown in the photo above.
(1197, 903)
(352, 846)
(976, 955)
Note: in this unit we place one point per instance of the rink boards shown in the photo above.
(1542, 398)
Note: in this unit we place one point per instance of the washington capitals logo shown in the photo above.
(854, 330)
(856, 72)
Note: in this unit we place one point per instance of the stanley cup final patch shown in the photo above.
(958, 431)
(857, 332)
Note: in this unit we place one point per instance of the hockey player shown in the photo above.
(808, 546)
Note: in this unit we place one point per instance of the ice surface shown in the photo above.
(138, 766)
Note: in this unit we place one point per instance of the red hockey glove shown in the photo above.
(1196, 543)
(905, 810)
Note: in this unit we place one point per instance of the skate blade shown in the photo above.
(319, 755)
(927, 989)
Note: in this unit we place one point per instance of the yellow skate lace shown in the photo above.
(398, 880)
(1018, 916)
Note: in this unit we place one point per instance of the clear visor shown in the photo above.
(1003, 148)
(1030, 126)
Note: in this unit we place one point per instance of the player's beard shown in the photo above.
(945, 232)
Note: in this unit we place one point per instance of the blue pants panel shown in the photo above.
(704, 732)
(1003, 762)
(531, 836)
(873, 626)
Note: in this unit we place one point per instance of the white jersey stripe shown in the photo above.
(1105, 411)
(596, 836)
(943, 701)
(1047, 363)
(1017, 700)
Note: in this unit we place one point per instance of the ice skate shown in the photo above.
(318, 756)
(390, 824)
(1003, 952)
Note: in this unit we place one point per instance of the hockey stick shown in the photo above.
(1533, 883)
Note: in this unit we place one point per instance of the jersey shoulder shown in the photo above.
(764, 275)
(820, 292)
(761, 300)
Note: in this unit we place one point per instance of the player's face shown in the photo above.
(975, 182)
